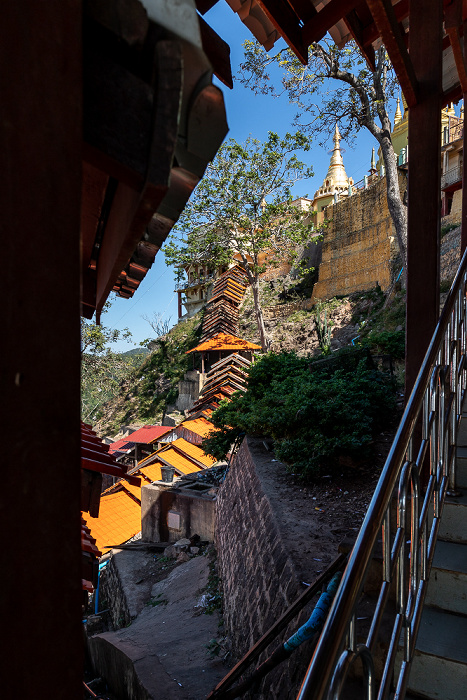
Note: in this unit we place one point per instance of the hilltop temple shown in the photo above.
(336, 181)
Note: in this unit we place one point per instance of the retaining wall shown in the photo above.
(258, 575)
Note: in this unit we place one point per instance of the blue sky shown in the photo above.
(247, 114)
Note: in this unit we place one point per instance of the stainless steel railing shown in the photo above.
(408, 544)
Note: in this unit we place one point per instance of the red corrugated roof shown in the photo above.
(144, 436)
(149, 433)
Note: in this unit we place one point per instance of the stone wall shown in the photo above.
(359, 247)
(258, 576)
(171, 513)
(111, 590)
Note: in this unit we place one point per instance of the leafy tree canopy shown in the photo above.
(244, 207)
(336, 86)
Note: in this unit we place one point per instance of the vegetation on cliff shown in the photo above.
(319, 412)
(151, 387)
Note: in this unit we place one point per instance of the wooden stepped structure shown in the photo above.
(222, 309)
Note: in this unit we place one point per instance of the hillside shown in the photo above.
(148, 390)
(356, 319)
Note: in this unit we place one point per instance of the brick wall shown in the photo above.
(259, 578)
(359, 246)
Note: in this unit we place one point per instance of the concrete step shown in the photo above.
(453, 526)
(439, 668)
(448, 580)
(462, 432)
(461, 467)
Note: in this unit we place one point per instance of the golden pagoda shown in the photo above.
(336, 181)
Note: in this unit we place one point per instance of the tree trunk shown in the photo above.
(264, 338)
(397, 208)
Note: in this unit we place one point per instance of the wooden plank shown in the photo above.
(423, 185)
(388, 28)
(287, 23)
(315, 28)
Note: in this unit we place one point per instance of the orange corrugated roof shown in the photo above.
(153, 471)
(119, 520)
(134, 490)
(200, 426)
(224, 341)
(182, 464)
(193, 451)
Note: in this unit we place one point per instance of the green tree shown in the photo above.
(336, 86)
(102, 369)
(244, 206)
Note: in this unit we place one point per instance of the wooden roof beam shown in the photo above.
(319, 25)
(356, 29)
(453, 25)
(286, 22)
(371, 33)
(388, 28)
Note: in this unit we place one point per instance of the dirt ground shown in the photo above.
(316, 518)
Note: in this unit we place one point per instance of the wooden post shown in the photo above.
(40, 193)
(426, 23)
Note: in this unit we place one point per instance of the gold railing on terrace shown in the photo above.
(422, 476)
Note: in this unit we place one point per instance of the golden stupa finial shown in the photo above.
(398, 114)
(336, 172)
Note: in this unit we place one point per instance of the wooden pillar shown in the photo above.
(40, 191)
(426, 22)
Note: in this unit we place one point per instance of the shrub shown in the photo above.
(315, 412)
(386, 342)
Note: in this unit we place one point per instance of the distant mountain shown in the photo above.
(136, 351)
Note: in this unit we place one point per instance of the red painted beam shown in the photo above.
(389, 30)
(287, 24)
(314, 30)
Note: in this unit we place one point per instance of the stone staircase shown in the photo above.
(439, 667)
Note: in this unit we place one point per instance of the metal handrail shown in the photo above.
(407, 550)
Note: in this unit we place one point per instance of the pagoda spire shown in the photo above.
(398, 114)
(336, 171)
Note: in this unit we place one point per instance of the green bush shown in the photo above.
(386, 343)
(316, 412)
